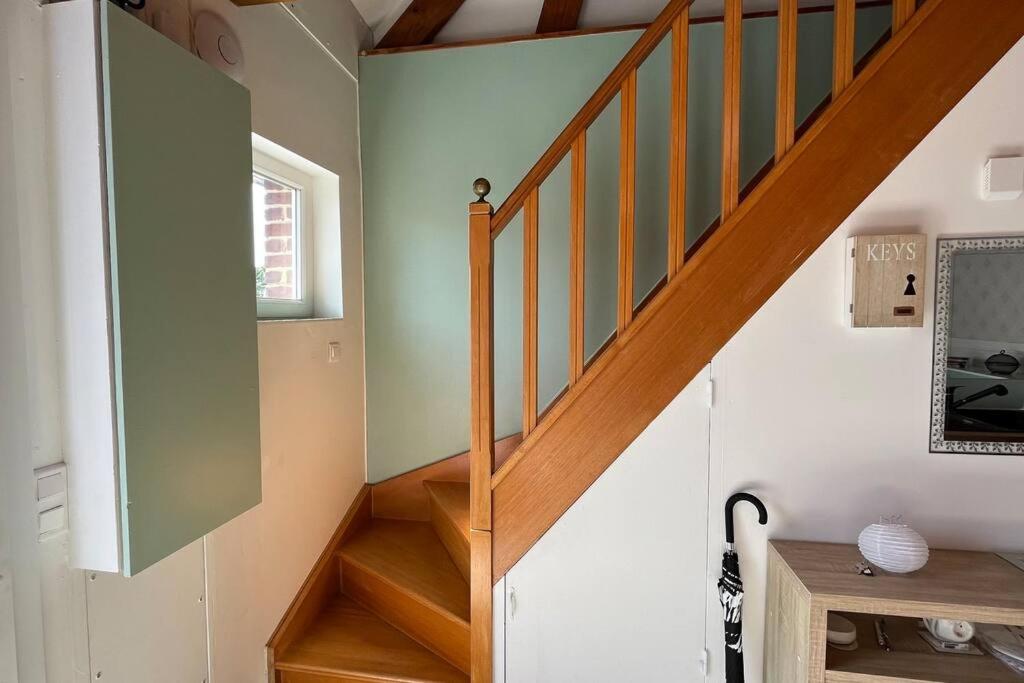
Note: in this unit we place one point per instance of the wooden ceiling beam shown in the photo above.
(559, 15)
(421, 21)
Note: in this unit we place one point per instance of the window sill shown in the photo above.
(285, 321)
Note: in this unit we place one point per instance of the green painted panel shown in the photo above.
(433, 121)
(179, 166)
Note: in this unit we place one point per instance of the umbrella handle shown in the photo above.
(762, 512)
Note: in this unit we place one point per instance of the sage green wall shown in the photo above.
(431, 122)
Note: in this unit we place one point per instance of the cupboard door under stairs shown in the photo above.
(605, 595)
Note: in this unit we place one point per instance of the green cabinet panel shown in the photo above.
(179, 164)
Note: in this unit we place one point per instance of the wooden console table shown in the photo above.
(806, 581)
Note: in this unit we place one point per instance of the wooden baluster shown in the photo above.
(481, 439)
(842, 57)
(902, 10)
(530, 242)
(577, 255)
(677, 151)
(627, 199)
(733, 43)
(785, 101)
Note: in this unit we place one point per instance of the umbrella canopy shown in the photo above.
(730, 590)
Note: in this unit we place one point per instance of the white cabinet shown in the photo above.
(152, 180)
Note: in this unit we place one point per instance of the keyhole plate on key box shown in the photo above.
(910, 291)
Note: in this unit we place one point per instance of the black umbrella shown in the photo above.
(730, 590)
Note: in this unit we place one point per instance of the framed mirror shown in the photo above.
(977, 374)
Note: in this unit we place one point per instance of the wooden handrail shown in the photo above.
(570, 447)
(486, 224)
(607, 91)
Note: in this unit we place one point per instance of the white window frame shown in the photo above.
(286, 174)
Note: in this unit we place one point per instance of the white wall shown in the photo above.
(827, 424)
(830, 425)
(230, 589)
(29, 415)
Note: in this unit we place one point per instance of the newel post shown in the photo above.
(481, 306)
(481, 439)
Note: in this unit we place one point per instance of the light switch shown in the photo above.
(333, 352)
(49, 486)
(51, 521)
(51, 500)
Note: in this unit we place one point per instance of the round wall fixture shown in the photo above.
(218, 45)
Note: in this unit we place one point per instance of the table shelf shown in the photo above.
(806, 581)
(912, 659)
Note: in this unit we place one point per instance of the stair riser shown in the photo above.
(454, 540)
(445, 634)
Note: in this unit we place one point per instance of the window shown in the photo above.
(282, 238)
(297, 235)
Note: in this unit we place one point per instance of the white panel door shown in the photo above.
(615, 591)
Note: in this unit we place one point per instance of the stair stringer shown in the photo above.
(901, 95)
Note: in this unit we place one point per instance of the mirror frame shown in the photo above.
(946, 249)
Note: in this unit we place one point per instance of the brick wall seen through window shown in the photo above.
(276, 239)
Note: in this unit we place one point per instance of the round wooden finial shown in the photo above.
(481, 188)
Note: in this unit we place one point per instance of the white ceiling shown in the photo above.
(499, 18)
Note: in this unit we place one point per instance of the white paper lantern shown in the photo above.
(893, 547)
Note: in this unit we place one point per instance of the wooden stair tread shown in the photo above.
(348, 640)
(452, 497)
(410, 556)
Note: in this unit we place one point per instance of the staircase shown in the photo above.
(398, 609)
(405, 595)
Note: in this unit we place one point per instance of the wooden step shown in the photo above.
(449, 513)
(402, 571)
(347, 642)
